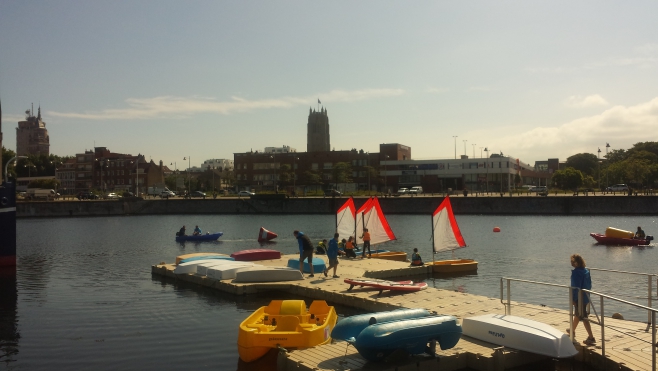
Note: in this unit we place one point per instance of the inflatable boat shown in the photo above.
(409, 331)
(200, 237)
(614, 236)
(285, 323)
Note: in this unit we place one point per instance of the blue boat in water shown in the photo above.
(377, 335)
(201, 237)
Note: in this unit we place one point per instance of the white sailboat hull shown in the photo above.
(228, 272)
(520, 333)
(202, 269)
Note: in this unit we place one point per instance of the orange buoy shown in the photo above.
(496, 229)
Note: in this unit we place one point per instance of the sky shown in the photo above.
(206, 79)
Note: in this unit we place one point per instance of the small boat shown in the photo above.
(391, 255)
(228, 271)
(378, 335)
(520, 333)
(446, 236)
(196, 254)
(268, 274)
(256, 254)
(202, 269)
(190, 266)
(200, 237)
(605, 240)
(265, 235)
(318, 265)
(285, 323)
(206, 257)
(381, 285)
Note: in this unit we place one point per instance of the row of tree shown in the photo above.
(637, 167)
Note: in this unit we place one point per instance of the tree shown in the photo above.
(616, 155)
(341, 172)
(7, 155)
(285, 174)
(44, 183)
(312, 178)
(585, 162)
(568, 178)
(517, 179)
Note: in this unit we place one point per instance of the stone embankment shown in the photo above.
(516, 205)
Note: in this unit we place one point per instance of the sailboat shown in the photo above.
(446, 236)
(350, 222)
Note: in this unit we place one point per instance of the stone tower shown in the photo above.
(32, 136)
(317, 137)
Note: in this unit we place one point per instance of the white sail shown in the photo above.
(446, 233)
(370, 216)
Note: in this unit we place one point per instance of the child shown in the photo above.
(349, 248)
(416, 259)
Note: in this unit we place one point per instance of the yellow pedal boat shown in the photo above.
(285, 323)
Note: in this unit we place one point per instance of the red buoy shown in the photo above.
(496, 229)
(265, 235)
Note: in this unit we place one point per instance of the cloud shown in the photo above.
(593, 100)
(174, 107)
(436, 90)
(13, 119)
(479, 88)
(621, 126)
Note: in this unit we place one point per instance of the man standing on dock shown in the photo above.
(305, 251)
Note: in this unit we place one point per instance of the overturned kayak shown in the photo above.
(200, 237)
(256, 254)
(318, 265)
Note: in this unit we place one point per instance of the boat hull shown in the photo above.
(454, 266)
(228, 271)
(191, 266)
(201, 237)
(256, 254)
(318, 265)
(196, 254)
(520, 333)
(381, 285)
(268, 274)
(391, 255)
(378, 341)
(285, 323)
(349, 328)
(605, 240)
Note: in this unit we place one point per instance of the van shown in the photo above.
(416, 190)
(35, 193)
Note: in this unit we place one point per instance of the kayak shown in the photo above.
(201, 237)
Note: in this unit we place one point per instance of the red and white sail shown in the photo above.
(370, 216)
(346, 219)
(446, 235)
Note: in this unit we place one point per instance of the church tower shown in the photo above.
(317, 137)
(32, 136)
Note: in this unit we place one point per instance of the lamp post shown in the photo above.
(368, 170)
(598, 161)
(473, 149)
(455, 136)
(607, 145)
(7, 166)
(101, 162)
(136, 177)
(486, 164)
(189, 162)
(385, 174)
(274, 182)
(294, 176)
(464, 140)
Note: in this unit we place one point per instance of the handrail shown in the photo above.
(650, 310)
(650, 283)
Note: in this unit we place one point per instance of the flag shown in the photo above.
(319, 101)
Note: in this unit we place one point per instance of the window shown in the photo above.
(314, 166)
(327, 166)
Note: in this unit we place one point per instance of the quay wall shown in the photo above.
(517, 205)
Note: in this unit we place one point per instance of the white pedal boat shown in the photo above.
(268, 274)
(520, 333)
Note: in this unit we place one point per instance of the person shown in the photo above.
(366, 243)
(581, 279)
(332, 255)
(321, 248)
(349, 248)
(341, 247)
(182, 231)
(415, 258)
(640, 235)
(197, 231)
(305, 251)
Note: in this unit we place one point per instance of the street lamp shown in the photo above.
(486, 164)
(598, 161)
(481, 152)
(455, 136)
(102, 162)
(385, 174)
(29, 168)
(294, 175)
(189, 162)
(274, 182)
(136, 177)
(464, 140)
(473, 149)
(607, 145)
(7, 166)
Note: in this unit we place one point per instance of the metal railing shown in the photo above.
(601, 319)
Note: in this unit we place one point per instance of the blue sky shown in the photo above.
(206, 79)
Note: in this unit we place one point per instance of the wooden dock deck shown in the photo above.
(627, 343)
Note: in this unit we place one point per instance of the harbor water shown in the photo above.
(83, 296)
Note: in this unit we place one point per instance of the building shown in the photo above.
(317, 131)
(32, 136)
(219, 164)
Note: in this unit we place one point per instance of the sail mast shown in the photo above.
(432, 240)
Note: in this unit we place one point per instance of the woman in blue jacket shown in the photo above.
(580, 278)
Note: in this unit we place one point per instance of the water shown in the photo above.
(86, 298)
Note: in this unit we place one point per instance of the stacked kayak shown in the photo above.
(285, 323)
(378, 335)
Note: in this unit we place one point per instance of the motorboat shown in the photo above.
(615, 236)
(520, 333)
(287, 324)
(199, 237)
(378, 335)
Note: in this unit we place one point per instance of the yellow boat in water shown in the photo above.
(285, 323)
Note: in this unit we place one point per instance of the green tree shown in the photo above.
(285, 174)
(585, 162)
(341, 172)
(312, 178)
(44, 183)
(568, 178)
(616, 155)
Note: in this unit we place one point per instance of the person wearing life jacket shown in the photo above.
(349, 248)
(640, 235)
(321, 248)
(366, 243)
(416, 259)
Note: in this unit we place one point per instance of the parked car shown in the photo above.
(87, 196)
(112, 196)
(167, 194)
(416, 190)
(332, 192)
(198, 194)
(618, 188)
(128, 194)
(403, 191)
(538, 189)
(245, 194)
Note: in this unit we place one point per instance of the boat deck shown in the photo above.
(628, 345)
